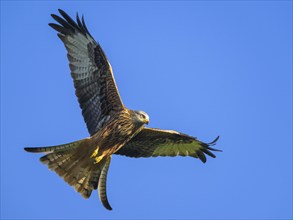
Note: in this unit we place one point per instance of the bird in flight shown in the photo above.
(113, 128)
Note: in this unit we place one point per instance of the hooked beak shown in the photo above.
(147, 120)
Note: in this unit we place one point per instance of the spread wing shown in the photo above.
(152, 142)
(92, 74)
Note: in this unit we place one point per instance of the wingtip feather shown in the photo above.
(201, 156)
(59, 28)
(213, 149)
(61, 11)
(214, 141)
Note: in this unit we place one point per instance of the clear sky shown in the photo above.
(202, 68)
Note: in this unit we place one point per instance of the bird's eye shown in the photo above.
(143, 116)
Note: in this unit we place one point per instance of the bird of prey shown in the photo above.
(113, 128)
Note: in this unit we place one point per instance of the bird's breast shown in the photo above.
(115, 134)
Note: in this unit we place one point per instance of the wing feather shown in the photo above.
(94, 83)
(152, 142)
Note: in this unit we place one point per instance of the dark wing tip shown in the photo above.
(63, 13)
(213, 149)
(84, 26)
(207, 149)
(60, 10)
(214, 141)
(201, 156)
(67, 24)
(60, 29)
(207, 152)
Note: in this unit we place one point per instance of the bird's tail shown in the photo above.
(74, 164)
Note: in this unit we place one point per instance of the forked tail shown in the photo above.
(74, 164)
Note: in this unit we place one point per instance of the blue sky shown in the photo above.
(202, 68)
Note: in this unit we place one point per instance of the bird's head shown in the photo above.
(142, 117)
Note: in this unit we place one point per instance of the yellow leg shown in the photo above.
(98, 159)
(95, 153)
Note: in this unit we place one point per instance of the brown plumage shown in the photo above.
(113, 128)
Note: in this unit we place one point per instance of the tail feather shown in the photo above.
(82, 188)
(61, 166)
(54, 160)
(102, 185)
(54, 148)
(88, 183)
(80, 164)
(73, 162)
